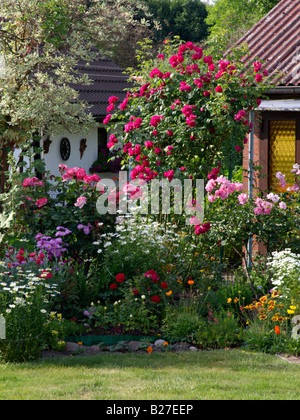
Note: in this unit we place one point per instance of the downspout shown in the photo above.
(250, 183)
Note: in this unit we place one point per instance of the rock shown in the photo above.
(95, 349)
(134, 345)
(181, 346)
(193, 348)
(71, 347)
(139, 345)
(159, 343)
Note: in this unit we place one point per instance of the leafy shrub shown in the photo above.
(224, 331)
(181, 324)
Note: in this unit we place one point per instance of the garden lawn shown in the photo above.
(207, 375)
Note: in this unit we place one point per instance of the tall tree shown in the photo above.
(229, 20)
(41, 43)
(185, 18)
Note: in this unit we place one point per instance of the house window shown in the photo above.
(102, 139)
(282, 149)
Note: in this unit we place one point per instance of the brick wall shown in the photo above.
(260, 158)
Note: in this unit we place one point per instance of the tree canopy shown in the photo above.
(185, 18)
(230, 20)
(41, 43)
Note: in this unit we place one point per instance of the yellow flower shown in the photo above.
(275, 318)
(293, 308)
(229, 300)
(290, 312)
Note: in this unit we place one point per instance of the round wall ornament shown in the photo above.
(65, 148)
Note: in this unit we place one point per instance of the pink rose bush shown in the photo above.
(184, 84)
(64, 202)
(234, 215)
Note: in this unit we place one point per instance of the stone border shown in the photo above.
(290, 359)
(75, 349)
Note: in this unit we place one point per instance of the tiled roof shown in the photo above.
(275, 40)
(108, 79)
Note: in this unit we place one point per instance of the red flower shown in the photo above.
(120, 278)
(200, 229)
(155, 299)
(153, 275)
(164, 285)
(46, 275)
(113, 286)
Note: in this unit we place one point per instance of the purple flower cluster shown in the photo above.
(62, 231)
(54, 247)
(86, 229)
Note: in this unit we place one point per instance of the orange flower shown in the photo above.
(149, 350)
(277, 329)
(191, 282)
(169, 293)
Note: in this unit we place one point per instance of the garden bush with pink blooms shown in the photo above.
(187, 118)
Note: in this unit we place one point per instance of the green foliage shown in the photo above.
(228, 21)
(41, 44)
(185, 18)
(183, 323)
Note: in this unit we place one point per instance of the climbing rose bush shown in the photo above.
(186, 113)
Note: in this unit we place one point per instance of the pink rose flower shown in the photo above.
(80, 174)
(81, 201)
(243, 198)
(41, 202)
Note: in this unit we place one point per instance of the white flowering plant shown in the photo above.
(285, 268)
(27, 289)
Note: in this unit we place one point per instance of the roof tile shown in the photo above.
(275, 40)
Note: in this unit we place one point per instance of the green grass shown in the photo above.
(209, 375)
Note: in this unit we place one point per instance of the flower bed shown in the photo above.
(67, 269)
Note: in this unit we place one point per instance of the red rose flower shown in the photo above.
(155, 299)
(113, 286)
(120, 278)
(164, 285)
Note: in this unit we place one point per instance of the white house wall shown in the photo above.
(53, 158)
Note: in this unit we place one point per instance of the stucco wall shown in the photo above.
(53, 158)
